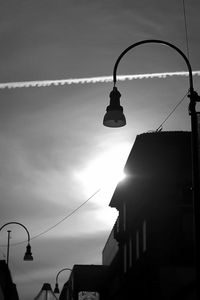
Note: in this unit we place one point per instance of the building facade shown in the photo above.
(86, 282)
(154, 230)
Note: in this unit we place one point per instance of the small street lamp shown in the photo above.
(56, 289)
(114, 117)
(28, 255)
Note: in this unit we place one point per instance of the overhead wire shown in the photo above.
(172, 111)
(66, 217)
(188, 56)
(59, 222)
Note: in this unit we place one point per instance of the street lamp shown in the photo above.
(28, 255)
(114, 117)
(56, 289)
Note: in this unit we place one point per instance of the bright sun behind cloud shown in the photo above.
(102, 174)
(105, 170)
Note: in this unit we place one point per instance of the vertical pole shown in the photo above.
(8, 246)
(195, 188)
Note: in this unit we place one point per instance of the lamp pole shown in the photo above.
(115, 118)
(28, 255)
(8, 246)
(56, 289)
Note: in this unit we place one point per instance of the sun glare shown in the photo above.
(106, 170)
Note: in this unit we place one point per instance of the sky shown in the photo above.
(55, 153)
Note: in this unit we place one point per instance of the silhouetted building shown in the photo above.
(86, 282)
(8, 290)
(150, 250)
(65, 292)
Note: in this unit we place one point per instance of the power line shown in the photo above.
(66, 217)
(59, 222)
(161, 125)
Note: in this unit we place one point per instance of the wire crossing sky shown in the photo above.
(59, 222)
(47, 83)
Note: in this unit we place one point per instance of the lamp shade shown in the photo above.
(114, 119)
(28, 255)
(114, 116)
(56, 290)
(46, 293)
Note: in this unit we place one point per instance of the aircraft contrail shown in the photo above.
(46, 83)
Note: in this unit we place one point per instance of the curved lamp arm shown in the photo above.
(56, 290)
(17, 224)
(154, 42)
(28, 255)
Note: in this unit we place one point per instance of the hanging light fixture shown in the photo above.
(114, 116)
(28, 254)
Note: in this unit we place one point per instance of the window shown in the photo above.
(144, 232)
(117, 225)
(137, 245)
(125, 258)
(124, 216)
(130, 252)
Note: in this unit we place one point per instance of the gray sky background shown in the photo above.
(54, 151)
